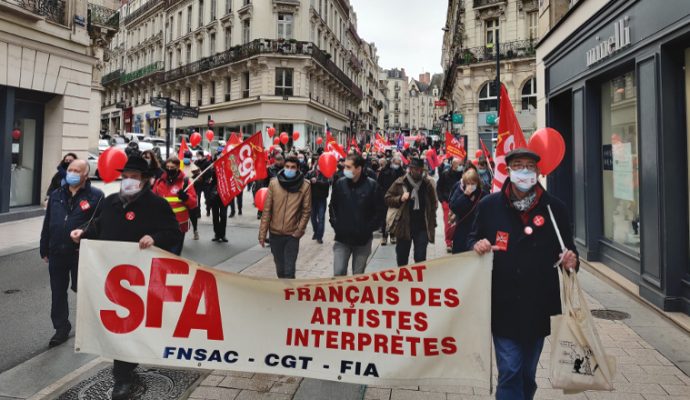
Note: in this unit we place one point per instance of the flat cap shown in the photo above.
(522, 153)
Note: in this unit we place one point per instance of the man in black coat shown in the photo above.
(320, 186)
(71, 206)
(135, 214)
(515, 224)
(392, 171)
(356, 210)
(446, 180)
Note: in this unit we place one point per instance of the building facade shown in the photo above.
(295, 65)
(424, 93)
(615, 82)
(398, 95)
(473, 27)
(51, 58)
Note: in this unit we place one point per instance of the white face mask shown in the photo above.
(523, 179)
(130, 186)
(471, 188)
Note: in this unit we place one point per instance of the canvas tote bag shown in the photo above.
(393, 215)
(578, 361)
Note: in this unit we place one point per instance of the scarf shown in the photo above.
(524, 204)
(415, 190)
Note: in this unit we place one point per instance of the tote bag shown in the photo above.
(578, 361)
(393, 215)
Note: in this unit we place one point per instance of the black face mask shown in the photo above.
(341, 167)
(172, 173)
(64, 164)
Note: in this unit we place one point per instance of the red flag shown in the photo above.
(432, 158)
(180, 153)
(240, 166)
(487, 154)
(455, 147)
(333, 146)
(510, 137)
(379, 144)
(404, 159)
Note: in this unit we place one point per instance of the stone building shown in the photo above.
(51, 58)
(469, 62)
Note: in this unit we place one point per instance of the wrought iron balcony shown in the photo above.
(51, 10)
(142, 72)
(111, 77)
(486, 3)
(144, 9)
(100, 16)
(509, 50)
(265, 46)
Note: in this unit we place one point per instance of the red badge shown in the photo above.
(528, 230)
(502, 240)
(84, 205)
(130, 216)
(538, 220)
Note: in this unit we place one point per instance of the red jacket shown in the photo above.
(169, 192)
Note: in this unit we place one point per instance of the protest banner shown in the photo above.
(455, 147)
(420, 324)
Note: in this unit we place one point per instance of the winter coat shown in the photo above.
(287, 207)
(446, 181)
(525, 291)
(356, 210)
(393, 199)
(465, 209)
(58, 179)
(170, 191)
(322, 185)
(66, 213)
(147, 214)
(387, 176)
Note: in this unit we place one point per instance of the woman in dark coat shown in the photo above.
(464, 198)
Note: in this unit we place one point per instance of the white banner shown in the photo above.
(426, 324)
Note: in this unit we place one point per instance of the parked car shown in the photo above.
(93, 166)
(102, 145)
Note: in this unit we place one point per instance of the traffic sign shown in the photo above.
(458, 119)
(440, 103)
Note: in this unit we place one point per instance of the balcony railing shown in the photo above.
(103, 16)
(486, 3)
(142, 72)
(509, 50)
(265, 46)
(111, 77)
(148, 6)
(52, 10)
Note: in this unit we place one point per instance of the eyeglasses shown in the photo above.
(519, 166)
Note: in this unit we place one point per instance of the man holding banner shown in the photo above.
(519, 224)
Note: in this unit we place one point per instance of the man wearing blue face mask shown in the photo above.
(70, 206)
(516, 225)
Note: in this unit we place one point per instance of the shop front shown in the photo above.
(617, 89)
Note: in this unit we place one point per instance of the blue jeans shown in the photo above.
(318, 216)
(517, 362)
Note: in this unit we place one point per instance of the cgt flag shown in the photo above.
(510, 137)
(333, 146)
(455, 147)
(241, 165)
(423, 324)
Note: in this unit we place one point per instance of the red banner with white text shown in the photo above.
(238, 167)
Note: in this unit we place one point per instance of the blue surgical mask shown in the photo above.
(523, 179)
(72, 179)
(482, 171)
(290, 173)
(459, 168)
(349, 174)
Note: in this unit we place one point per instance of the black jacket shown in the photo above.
(525, 291)
(58, 179)
(356, 210)
(146, 215)
(446, 180)
(320, 187)
(66, 213)
(387, 176)
(465, 209)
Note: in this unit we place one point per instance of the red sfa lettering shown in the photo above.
(158, 291)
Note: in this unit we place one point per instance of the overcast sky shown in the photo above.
(407, 33)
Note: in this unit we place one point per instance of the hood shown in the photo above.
(291, 185)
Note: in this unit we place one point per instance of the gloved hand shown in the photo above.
(182, 195)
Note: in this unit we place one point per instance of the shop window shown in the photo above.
(284, 82)
(529, 94)
(621, 196)
(488, 100)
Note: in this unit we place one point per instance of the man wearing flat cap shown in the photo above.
(414, 195)
(517, 225)
(135, 214)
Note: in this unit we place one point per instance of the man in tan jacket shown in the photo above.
(287, 210)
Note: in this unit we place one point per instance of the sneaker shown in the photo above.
(449, 249)
(196, 235)
(384, 241)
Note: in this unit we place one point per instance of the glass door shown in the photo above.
(27, 139)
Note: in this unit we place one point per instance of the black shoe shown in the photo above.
(208, 213)
(215, 239)
(60, 336)
(239, 212)
(224, 240)
(232, 214)
(122, 390)
(313, 237)
(319, 241)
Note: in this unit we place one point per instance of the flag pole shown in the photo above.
(498, 75)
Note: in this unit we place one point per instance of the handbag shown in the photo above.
(578, 361)
(393, 215)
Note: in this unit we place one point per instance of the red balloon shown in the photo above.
(478, 153)
(319, 140)
(550, 146)
(16, 134)
(271, 131)
(195, 139)
(406, 145)
(284, 139)
(328, 164)
(109, 162)
(475, 162)
(295, 136)
(276, 141)
(210, 135)
(260, 198)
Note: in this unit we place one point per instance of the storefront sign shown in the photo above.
(423, 324)
(612, 44)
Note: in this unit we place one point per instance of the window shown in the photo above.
(200, 49)
(212, 92)
(179, 23)
(189, 96)
(214, 5)
(228, 6)
(621, 196)
(179, 56)
(199, 94)
(285, 26)
(189, 19)
(212, 44)
(247, 2)
(246, 31)
(284, 82)
(189, 53)
(529, 94)
(228, 87)
(228, 38)
(487, 97)
(491, 27)
(532, 23)
(170, 28)
(170, 60)
(201, 12)
(245, 85)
